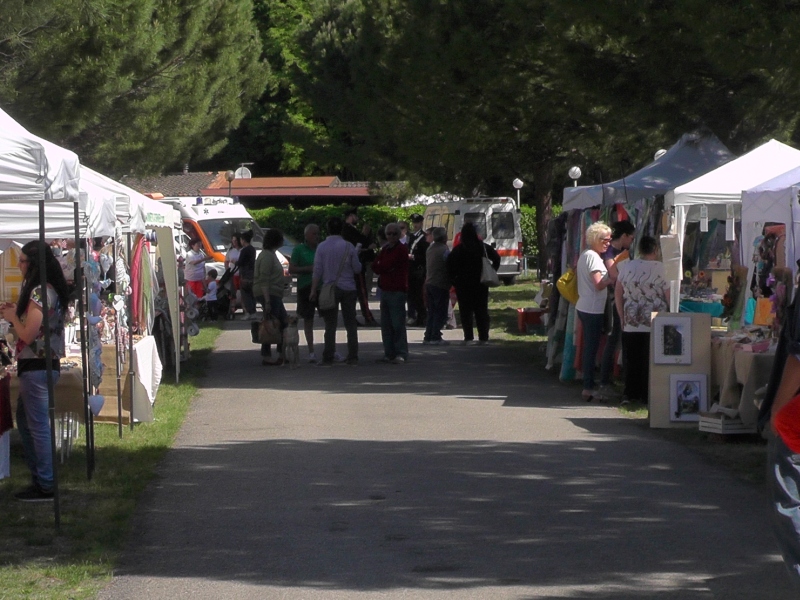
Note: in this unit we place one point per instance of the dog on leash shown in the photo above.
(291, 343)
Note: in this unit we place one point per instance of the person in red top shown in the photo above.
(780, 416)
(392, 266)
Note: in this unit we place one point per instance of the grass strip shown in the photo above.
(35, 562)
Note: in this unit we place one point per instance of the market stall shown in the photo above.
(718, 195)
(636, 197)
(58, 175)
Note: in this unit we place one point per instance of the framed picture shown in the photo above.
(687, 396)
(673, 340)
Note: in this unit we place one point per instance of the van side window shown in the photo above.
(479, 220)
(503, 226)
(448, 222)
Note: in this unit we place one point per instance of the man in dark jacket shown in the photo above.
(363, 244)
(417, 247)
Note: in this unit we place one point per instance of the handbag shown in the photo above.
(327, 294)
(269, 330)
(489, 276)
(567, 286)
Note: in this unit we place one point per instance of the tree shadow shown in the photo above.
(609, 517)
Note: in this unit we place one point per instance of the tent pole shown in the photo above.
(80, 283)
(131, 371)
(116, 347)
(51, 405)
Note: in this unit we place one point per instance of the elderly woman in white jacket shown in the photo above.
(593, 279)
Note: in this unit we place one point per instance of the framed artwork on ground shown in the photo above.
(673, 340)
(687, 396)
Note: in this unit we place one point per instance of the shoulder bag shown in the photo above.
(269, 330)
(489, 276)
(327, 294)
(567, 286)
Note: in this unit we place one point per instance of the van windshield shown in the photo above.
(219, 231)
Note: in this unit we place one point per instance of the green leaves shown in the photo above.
(134, 83)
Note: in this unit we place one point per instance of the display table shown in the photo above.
(68, 392)
(68, 401)
(147, 367)
(715, 309)
(749, 372)
(738, 373)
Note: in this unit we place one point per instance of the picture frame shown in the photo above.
(673, 340)
(688, 396)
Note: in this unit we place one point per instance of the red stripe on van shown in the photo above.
(505, 252)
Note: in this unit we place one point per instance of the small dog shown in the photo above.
(291, 344)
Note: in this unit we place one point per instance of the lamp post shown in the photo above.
(518, 183)
(575, 174)
(230, 176)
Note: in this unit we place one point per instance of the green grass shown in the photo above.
(503, 304)
(37, 562)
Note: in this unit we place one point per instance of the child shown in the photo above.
(211, 294)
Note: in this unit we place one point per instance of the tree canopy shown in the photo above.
(130, 85)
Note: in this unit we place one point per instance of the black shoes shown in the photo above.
(34, 494)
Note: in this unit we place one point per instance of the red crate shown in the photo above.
(528, 318)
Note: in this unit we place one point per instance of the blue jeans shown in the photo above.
(33, 422)
(393, 324)
(592, 332)
(783, 480)
(347, 299)
(607, 362)
(277, 309)
(438, 299)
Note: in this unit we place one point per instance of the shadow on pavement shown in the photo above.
(630, 518)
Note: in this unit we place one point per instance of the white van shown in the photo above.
(497, 221)
(213, 220)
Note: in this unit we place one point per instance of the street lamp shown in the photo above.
(518, 183)
(230, 176)
(575, 174)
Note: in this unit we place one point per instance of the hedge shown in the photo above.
(292, 222)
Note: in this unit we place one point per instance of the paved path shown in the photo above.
(467, 473)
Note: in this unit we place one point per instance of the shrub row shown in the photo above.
(292, 222)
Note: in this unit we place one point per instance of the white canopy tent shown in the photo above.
(22, 169)
(775, 201)
(723, 187)
(62, 167)
(136, 212)
(691, 156)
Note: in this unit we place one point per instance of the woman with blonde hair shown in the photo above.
(593, 281)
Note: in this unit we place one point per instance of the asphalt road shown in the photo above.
(466, 473)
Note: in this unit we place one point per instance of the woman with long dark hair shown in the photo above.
(27, 319)
(464, 266)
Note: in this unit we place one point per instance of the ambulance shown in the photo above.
(213, 220)
(497, 221)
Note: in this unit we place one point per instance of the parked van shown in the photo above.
(497, 221)
(213, 220)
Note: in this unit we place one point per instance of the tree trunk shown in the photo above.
(543, 176)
